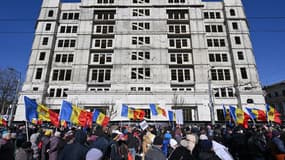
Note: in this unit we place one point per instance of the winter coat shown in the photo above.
(257, 146)
(76, 150)
(154, 153)
(6, 149)
(208, 156)
(56, 144)
(278, 146)
(181, 153)
(24, 154)
(34, 140)
(45, 147)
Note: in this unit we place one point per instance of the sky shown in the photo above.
(266, 21)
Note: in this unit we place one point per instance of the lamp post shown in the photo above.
(211, 104)
(15, 99)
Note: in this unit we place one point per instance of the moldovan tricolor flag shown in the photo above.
(256, 114)
(272, 114)
(100, 118)
(157, 110)
(75, 115)
(239, 116)
(39, 112)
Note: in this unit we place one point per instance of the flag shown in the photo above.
(239, 116)
(3, 121)
(171, 115)
(272, 114)
(132, 113)
(46, 114)
(139, 114)
(100, 118)
(157, 110)
(256, 114)
(31, 109)
(37, 113)
(226, 113)
(75, 115)
(125, 109)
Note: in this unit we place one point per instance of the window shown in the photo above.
(45, 41)
(70, 16)
(220, 74)
(177, 14)
(68, 29)
(50, 13)
(235, 25)
(140, 26)
(140, 55)
(179, 42)
(243, 73)
(176, 1)
(283, 92)
(58, 92)
(214, 28)
(216, 42)
(102, 43)
(141, 12)
(105, 1)
(64, 58)
(39, 72)
(178, 28)
(61, 75)
(140, 73)
(146, 89)
(104, 15)
(140, 40)
(237, 40)
(212, 15)
(100, 75)
(240, 55)
(102, 58)
(42, 56)
(179, 58)
(104, 29)
(218, 57)
(232, 12)
(141, 1)
(223, 92)
(66, 43)
(180, 75)
(48, 27)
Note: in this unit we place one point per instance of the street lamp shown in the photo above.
(15, 99)
(211, 104)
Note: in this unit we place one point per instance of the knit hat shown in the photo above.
(94, 154)
(158, 140)
(203, 137)
(57, 134)
(48, 133)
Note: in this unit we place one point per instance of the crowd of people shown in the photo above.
(130, 142)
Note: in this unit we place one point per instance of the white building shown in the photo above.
(105, 53)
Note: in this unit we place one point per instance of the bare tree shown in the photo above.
(111, 111)
(9, 80)
(177, 101)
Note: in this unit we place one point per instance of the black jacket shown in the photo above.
(181, 153)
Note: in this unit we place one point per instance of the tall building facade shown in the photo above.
(179, 54)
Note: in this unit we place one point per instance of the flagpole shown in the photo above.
(27, 130)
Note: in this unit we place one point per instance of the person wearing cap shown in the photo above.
(277, 146)
(56, 145)
(155, 152)
(6, 146)
(45, 144)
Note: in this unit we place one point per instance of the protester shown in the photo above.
(56, 145)
(24, 152)
(6, 146)
(155, 152)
